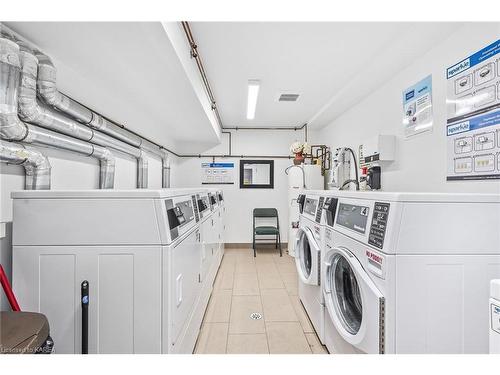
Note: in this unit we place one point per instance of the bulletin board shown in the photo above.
(217, 173)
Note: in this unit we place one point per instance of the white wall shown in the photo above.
(421, 160)
(186, 172)
(69, 171)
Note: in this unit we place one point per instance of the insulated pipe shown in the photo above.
(165, 171)
(11, 128)
(36, 165)
(49, 138)
(47, 89)
(30, 110)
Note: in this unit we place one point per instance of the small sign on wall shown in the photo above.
(417, 108)
(217, 173)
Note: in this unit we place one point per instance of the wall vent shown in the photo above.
(288, 97)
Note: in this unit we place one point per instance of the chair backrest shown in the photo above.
(265, 212)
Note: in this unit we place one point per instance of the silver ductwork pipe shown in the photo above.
(11, 128)
(30, 110)
(49, 138)
(47, 89)
(36, 165)
(165, 171)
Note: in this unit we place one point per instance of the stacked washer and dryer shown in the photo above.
(139, 252)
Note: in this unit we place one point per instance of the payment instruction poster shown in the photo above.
(473, 116)
(417, 108)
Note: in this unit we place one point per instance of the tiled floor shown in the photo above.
(266, 285)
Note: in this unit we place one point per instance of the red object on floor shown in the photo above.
(8, 290)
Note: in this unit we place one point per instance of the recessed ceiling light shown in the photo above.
(253, 93)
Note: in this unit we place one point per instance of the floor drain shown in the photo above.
(255, 316)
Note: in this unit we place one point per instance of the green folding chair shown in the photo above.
(266, 230)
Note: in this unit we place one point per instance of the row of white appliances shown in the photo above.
(398, 272)
(147, 258)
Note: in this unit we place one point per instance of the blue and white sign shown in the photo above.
(473, 116)
(217, 173)
(417, 107)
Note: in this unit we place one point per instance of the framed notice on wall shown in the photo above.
(417, 108)
(217, 173)
(257, 174)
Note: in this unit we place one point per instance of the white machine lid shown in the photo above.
(104, 193)
(408, 196)
(495, 289)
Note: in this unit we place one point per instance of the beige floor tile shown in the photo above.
(284, 259)
(219, 307)
(286, 338)
(291, 281)
(247, 344)
(246, 284)
(301, 315)
(267, 267)
(277, 306)
(212, 339)
(241, 309)
(245, 265)
(315, 344)
(286, 267)
(270, 281)
(224, 280)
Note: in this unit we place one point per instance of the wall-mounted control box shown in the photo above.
(379, 148)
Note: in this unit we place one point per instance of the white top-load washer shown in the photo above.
(410, 272)
(309, 245)
(139, 250)
(207, 225)
(222, 211)
(495, 317)
(217, 233)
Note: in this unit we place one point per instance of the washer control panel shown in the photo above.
(379, 224)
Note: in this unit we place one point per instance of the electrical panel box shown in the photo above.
(379, 148)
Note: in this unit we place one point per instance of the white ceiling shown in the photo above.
(129, 72)
(319, 61)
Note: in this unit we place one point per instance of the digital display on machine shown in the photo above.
(310, 206)
(353, 217)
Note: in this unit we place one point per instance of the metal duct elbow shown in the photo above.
(36, 165)
(165, 171)
(142, 171)
(107, 167)
(11, 128)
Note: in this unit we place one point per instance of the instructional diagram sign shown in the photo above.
(217, 173)
(417, 108)
(473, 116)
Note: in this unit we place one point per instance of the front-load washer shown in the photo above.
(409, 272)
(222, 211)
(495, 317)
(309, 244)
(216, 230)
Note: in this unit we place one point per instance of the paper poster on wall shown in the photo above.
(217, 173)
(417, 108)
(473, 116)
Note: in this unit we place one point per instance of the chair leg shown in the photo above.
(279, 239)
(254, 252)
(276, 242)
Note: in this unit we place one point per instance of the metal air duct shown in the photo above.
(36, 165)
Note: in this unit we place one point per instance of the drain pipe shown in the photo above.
(30, 110)
(47, 89)
(165, 170)
(36, 165)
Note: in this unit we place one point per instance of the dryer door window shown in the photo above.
(305, 254)
(346, 294)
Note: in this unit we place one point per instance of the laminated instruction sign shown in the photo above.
(217, 173)
(473, 116)
(417, 108)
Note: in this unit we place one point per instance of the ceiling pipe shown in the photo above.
(13, 129)
(30, 110)
(165, 171)
(36, 165)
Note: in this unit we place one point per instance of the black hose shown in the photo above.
(355, 168)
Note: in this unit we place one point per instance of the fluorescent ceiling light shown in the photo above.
(253, 93)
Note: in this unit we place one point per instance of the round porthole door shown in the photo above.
(353, 301)
(307, 256)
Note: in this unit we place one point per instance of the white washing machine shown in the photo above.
(222, 211)
(309, 246)
(495, 317)
(207, 238)
(216, 233)
(139, 250)
(409, 273)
